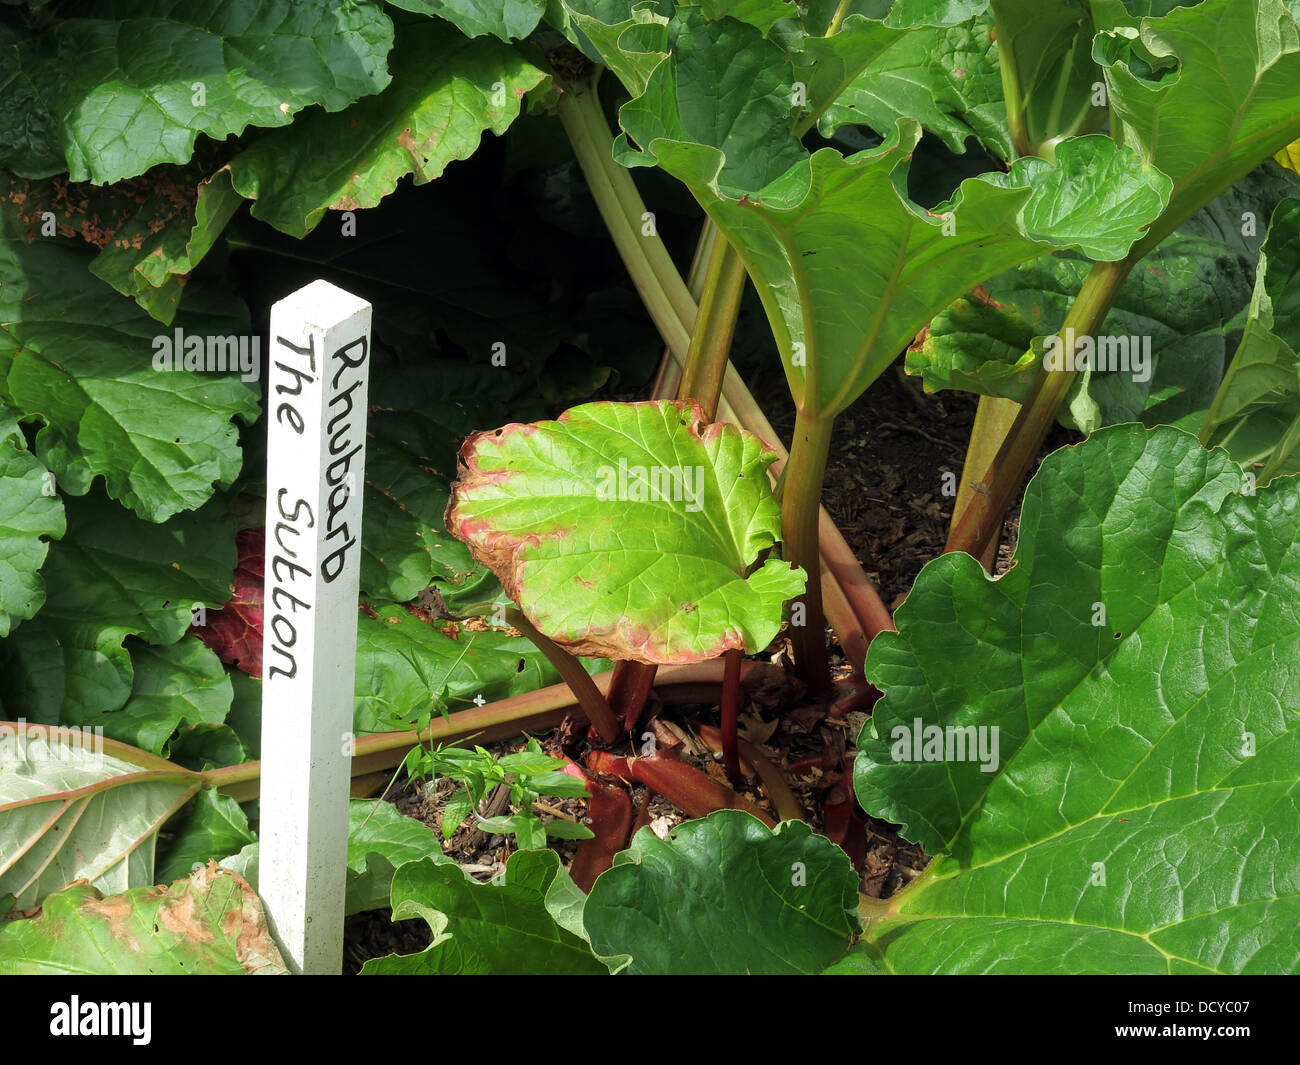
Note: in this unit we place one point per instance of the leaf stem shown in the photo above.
(799, 523)
(715, 324)
(1011, 92)
(837, 19)
(589, 697)
(730, 717)
(657, 281)
(983, 517)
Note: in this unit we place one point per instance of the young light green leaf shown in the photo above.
(559, 829)
(455, 810)
(549, 506)
(1130, 674)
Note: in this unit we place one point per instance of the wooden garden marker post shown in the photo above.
(315, 461)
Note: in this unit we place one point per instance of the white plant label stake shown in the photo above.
(318, 372)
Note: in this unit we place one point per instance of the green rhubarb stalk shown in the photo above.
(657, 281)
(800, 510)
(994, 418)
(1011, 93)
(983, 517)
(715, 324)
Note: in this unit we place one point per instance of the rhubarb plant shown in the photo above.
(848, 267)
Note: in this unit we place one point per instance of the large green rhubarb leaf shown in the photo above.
(726, 895)
(1256, 413)
(745, 78)
(209, 924)
(73, 804)
(1100, 746)
(446, 92)
(849, 270)
(168, 70)
(1205, 93)
(500, 927)
(628, 530)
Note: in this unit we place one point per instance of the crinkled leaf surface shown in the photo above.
(76, 355)
(742, 85)
(211, 923)
(168, 70)
(905, 81)
(443, 97)
(173, 685)
(111, 576)
(1205, 93)
(628, 529)
(1256, 413)
(495, 928)
(70, 810)
(29, 511)
(726, 895)
(1138, 664)
(380, 840)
